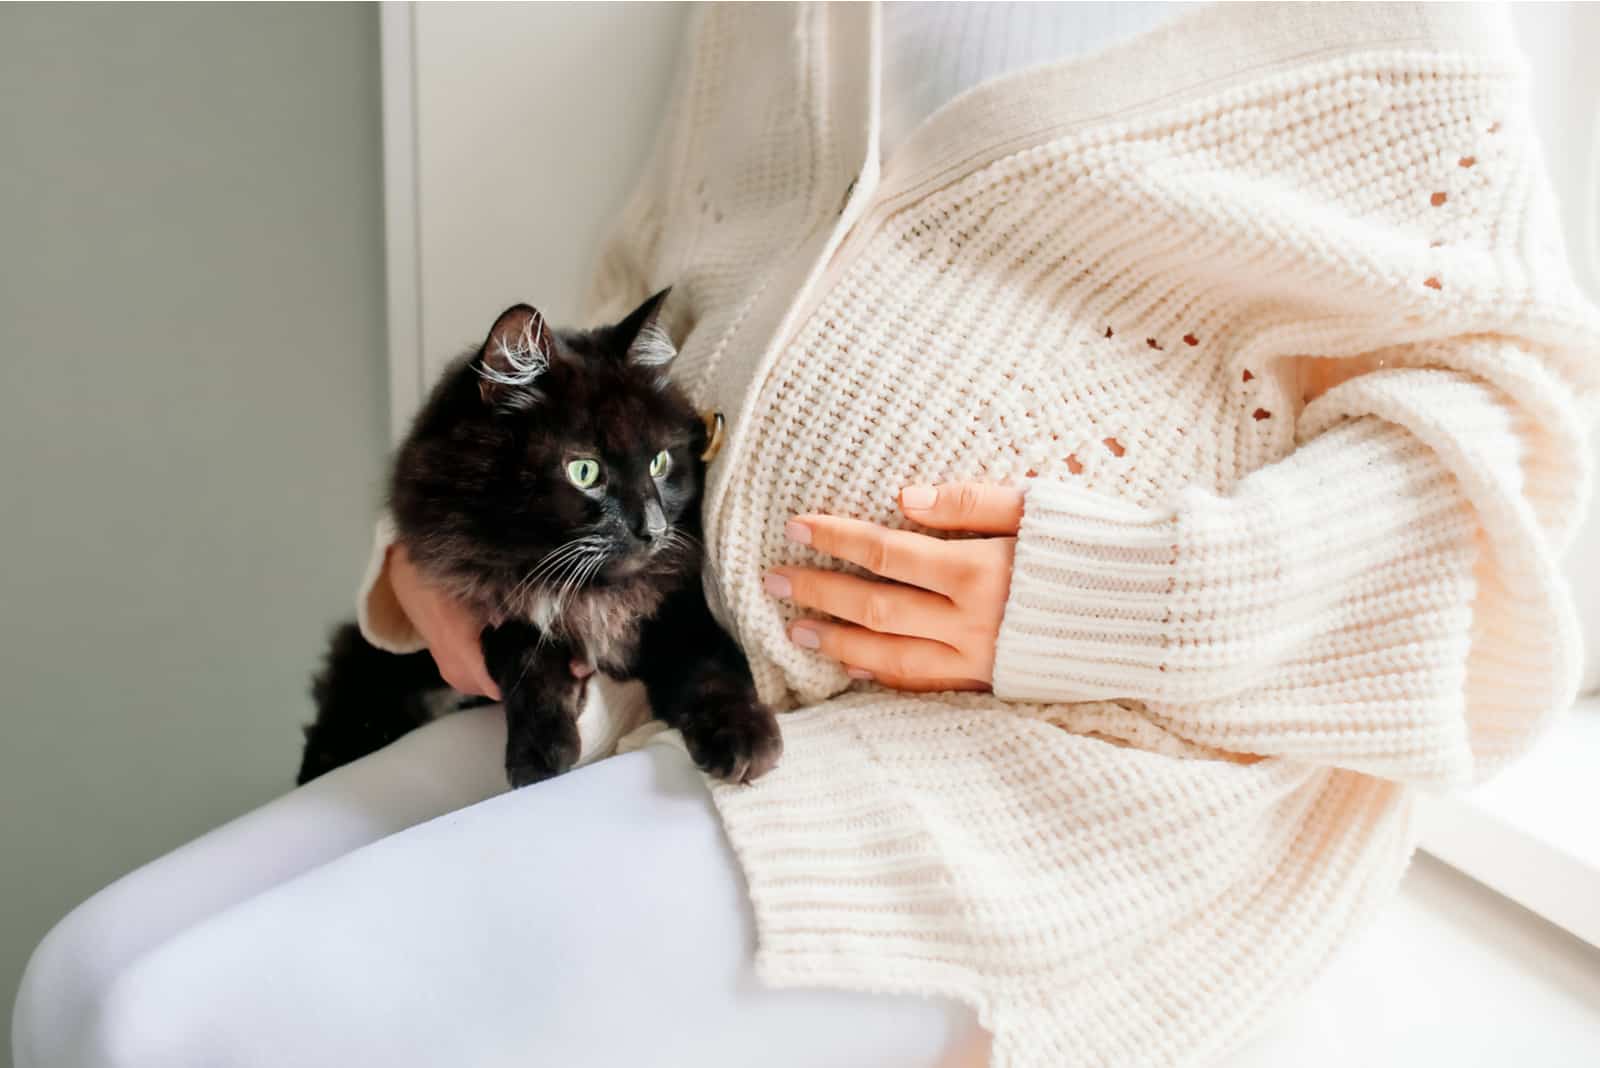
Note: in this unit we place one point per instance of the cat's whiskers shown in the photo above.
(574, 571)
(572, 545)
(552, 561)
(560, 581)
(693, 545)
(580, 575)
(551, 566)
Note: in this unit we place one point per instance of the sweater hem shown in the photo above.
(787, 825)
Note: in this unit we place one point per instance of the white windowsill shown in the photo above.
(1532, 833)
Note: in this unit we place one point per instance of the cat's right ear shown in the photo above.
(517, 351)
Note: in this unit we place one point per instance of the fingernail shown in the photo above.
(805, 637)
(776, 584)
(797, 532)
(859, 673)
(919, 497)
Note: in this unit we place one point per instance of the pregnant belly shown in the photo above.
(841, 427)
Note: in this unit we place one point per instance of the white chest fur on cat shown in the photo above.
(602, 623)
(606, 624)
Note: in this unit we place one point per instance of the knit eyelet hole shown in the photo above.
(1030, 473)
(1433, 283)
(1074, 466)
(1114, 446)
(1247, 375)
(1153, 343)
(1438, 199)
(1109, 331)
(1260, 414)
(1466, 161)
(1190, 339)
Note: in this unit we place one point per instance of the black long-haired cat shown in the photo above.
(552, 482)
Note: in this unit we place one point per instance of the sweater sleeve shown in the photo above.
(1386, 598)
(378, 613)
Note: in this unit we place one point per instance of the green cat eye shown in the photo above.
(583, 473)
(659, 465)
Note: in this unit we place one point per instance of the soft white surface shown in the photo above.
(1554, 793)
(1450, 975)
(1530, 832)
(491, 935)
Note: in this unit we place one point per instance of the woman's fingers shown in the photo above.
(458, 651)
(935, 626)
(901, 555)
(923, 685)
(889, 608)
(462, 667)
(913, 663)
(448, 627)
(461, 642)
(982, 507)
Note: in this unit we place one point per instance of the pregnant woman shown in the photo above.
(1243, 348)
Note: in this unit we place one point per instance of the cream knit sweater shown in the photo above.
(1267, 309)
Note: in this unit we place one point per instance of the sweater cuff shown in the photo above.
(378, 613)
(1199, 600)
(1090, 596)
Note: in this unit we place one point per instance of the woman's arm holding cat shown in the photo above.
(401, 612)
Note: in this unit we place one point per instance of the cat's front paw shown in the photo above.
(737, 740)
(541, 752)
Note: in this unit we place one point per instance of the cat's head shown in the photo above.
(552, 460)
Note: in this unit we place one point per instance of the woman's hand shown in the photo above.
(450, 630)
(934, 626)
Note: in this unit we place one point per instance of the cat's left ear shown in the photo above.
(516, 352)
(650, 345)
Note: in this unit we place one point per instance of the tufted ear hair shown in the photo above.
(517, 351)
(649, 344)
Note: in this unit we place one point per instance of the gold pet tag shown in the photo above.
(713, 422)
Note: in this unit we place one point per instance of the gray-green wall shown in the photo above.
(192, 418)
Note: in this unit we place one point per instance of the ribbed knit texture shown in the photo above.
(1293, 371)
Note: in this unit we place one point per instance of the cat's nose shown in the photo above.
(652, 521)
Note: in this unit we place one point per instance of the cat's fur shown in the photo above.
(608, 576)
